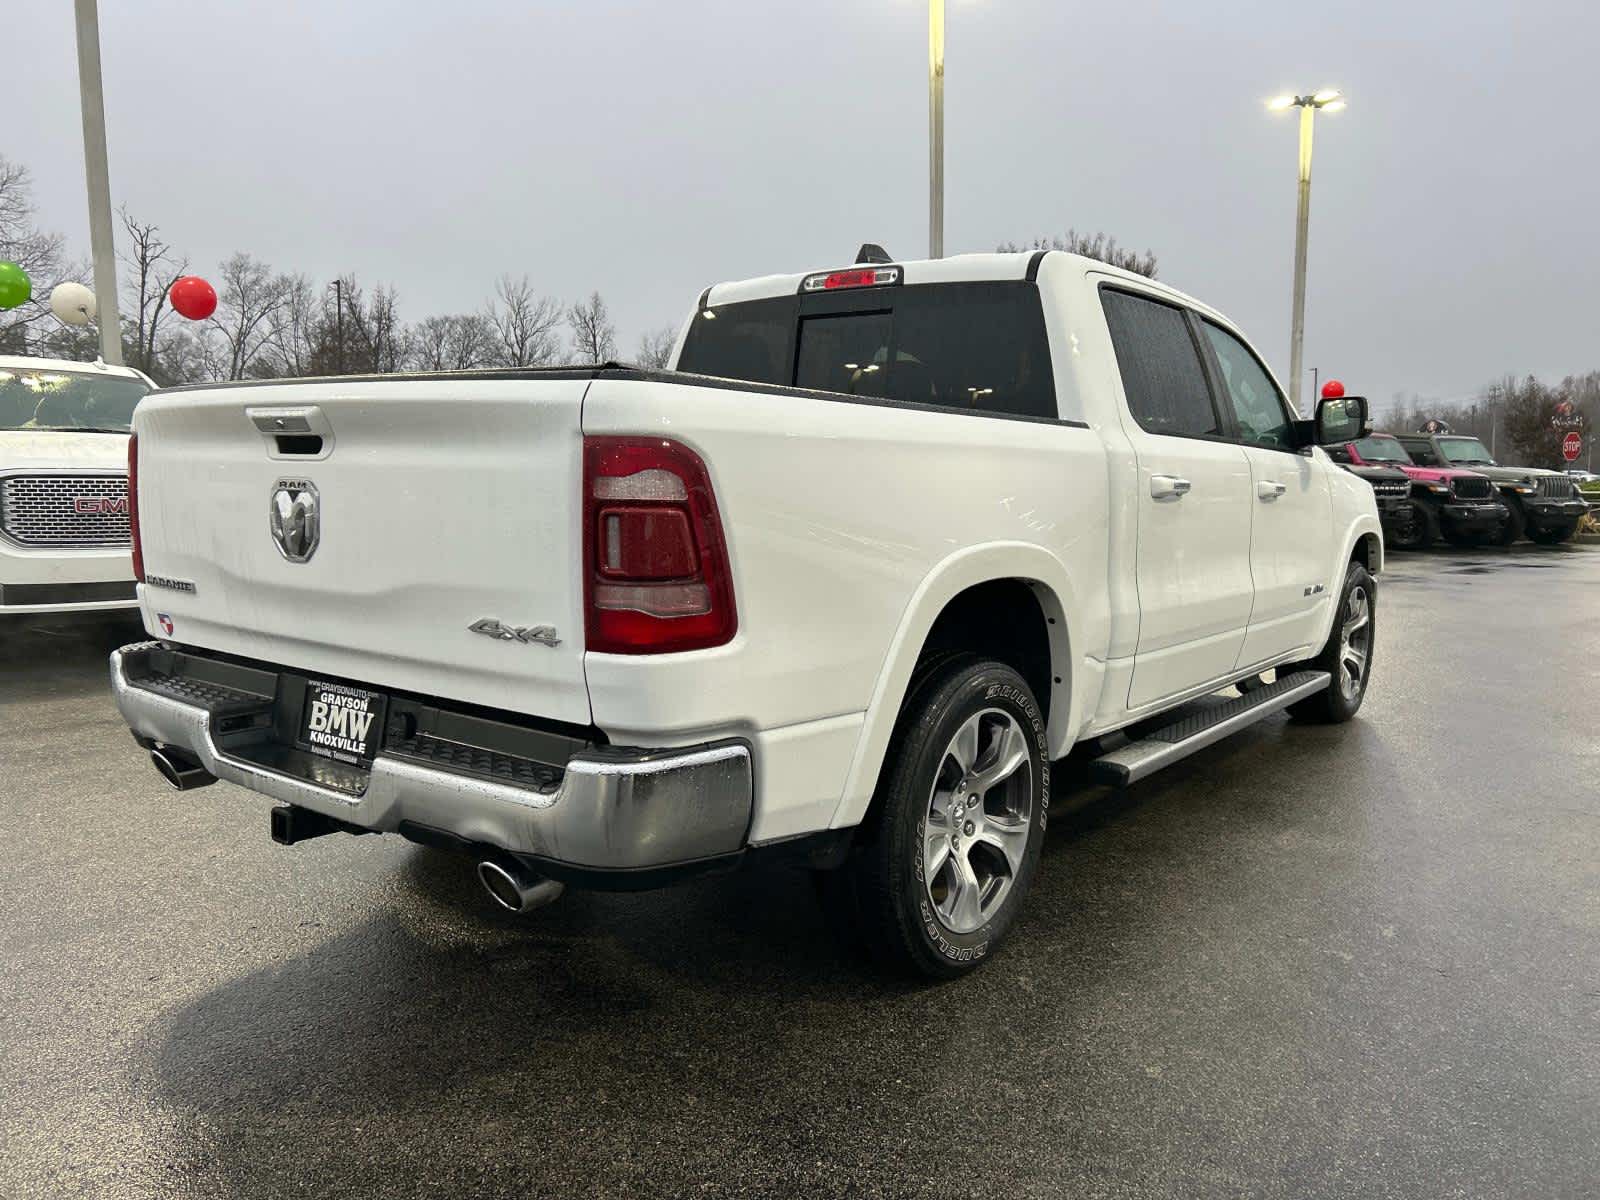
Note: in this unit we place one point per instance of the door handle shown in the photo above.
(1168, 487)
(1270, 489)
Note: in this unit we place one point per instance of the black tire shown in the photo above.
(1516, 522)
(1335, 703)
(884, 888)
(1553, 536)
(1420, 532)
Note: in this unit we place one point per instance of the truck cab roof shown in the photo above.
(957, 268)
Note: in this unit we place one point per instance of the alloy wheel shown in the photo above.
(1355, 643)
(979, 812)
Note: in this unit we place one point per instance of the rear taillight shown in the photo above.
(133, 506)
(656, 575)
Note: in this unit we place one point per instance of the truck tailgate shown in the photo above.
(441, 504)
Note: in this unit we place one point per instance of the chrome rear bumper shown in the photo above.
(613, 809)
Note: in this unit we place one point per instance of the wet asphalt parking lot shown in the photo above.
(1353, 962)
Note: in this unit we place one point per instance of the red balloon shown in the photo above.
(194, 298)
(1332, 390)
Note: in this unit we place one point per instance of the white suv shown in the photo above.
(64, 539)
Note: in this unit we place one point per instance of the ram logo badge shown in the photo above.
(295, 518)
(543, 635)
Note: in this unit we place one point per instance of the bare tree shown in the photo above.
(151, 270)
(457, 342)
(42, 255)
(381, 338)
(594, 338)
(655, 348)
(524, 324)
(292, 341)
(356, 334)
(1096, 246)
(248, 301)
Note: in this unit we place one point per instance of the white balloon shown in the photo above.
(73, 303)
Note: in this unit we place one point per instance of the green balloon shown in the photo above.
(15, 286)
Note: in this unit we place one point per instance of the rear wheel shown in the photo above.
(1347, 656)
(944, 865)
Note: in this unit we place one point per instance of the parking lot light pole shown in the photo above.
(1332, 101)
(935, 128)
(98, 176)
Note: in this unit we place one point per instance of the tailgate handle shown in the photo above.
(290, 420)
(300, 431)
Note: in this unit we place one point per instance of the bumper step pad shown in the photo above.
(215, 698)
(475, 760)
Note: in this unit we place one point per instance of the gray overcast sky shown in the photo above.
(649, 149)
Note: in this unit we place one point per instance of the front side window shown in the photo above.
(955, 345)
(1257, 404)
(1422, 454)
(1162, 375)
(38, 398)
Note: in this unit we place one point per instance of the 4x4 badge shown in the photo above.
(543, 635)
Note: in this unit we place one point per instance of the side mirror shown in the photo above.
(1340, 420)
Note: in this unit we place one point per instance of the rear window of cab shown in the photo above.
(977, 346)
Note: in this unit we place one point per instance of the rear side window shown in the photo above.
(1161, 370)
(955, 345)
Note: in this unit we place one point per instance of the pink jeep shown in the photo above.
(1461, 505)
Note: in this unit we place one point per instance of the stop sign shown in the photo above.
(1572, 446)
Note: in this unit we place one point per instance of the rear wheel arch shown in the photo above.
(1010, 603)
(1369, 552)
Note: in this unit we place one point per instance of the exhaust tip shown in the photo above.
(515, 888)
(179, 770)
(168, 771)
(501, 887)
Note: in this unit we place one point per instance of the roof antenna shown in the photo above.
(871, 252)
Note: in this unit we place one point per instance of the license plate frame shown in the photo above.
(341, 722)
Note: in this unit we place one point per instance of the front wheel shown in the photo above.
(1516, 522)
(1347, 656)
(1419, 532)
(959, 817)
(1552, 536)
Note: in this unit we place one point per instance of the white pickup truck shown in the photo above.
(836, 590)
(63, 485)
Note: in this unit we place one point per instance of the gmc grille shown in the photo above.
(1472, 489)
(65, 510)
(1556, 487)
